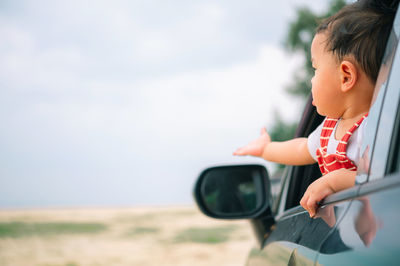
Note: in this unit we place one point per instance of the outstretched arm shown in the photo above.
(291, 152)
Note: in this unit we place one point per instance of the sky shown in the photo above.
(124, 103)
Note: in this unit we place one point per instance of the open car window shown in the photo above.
(375, 142)
(299, 177)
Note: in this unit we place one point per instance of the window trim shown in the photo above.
(344, 195)
(393, 155)
(388, 182)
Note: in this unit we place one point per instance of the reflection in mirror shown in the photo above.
(228, 191)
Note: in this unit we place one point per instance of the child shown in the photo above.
(346, 53)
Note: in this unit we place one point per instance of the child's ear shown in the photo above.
(348, 75)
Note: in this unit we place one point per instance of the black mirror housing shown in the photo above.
(233, 191)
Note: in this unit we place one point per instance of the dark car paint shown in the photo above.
(382, 218)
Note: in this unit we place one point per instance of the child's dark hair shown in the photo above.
(361, 30)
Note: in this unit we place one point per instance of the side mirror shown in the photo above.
(233, 192)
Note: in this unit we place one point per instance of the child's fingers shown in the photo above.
(241, 151)
(238, 152)
(312, 206)
(315, 199)
(304, 200)
(263, 130)
(309, 202)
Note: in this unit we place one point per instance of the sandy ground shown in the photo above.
(134, 236)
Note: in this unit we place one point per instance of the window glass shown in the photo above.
(387, 118)
(380, 122)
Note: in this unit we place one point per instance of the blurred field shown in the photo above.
(130, 236)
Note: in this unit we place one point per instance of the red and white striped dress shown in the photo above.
(338, 160)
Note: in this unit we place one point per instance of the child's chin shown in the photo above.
(319, 111)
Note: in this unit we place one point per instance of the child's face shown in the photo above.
(326, 90)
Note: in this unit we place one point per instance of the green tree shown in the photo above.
(298, 40)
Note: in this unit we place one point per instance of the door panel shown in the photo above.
(281, 253)
(370, 229)
(297, 238)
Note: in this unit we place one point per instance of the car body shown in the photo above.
(357, 226)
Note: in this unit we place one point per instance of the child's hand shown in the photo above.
(315, 192)
(256, 147)
(324, 186)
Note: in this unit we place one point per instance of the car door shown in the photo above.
(346, 218)
(370, 228)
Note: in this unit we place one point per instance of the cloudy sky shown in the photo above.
(117, 103)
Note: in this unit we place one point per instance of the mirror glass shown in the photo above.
(233, 190)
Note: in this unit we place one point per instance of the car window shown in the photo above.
(297, 178)
(378, 130)
(375, 140)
